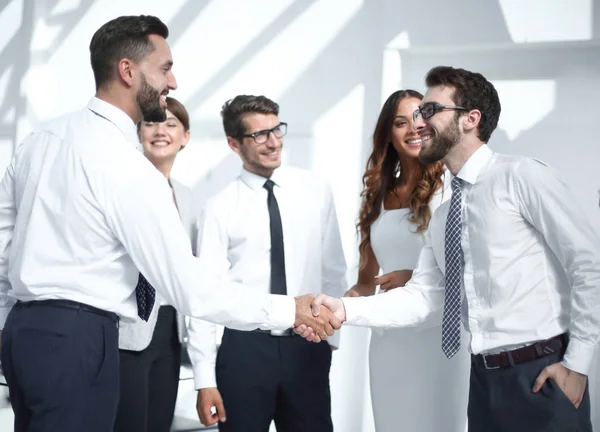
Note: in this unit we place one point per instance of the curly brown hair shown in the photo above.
(379, 177)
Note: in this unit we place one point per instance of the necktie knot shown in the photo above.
(269, 184)
(456, 184)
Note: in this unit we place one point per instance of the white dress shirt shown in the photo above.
(531, 264)
(82, 211)
(234, 235)
(137, 335)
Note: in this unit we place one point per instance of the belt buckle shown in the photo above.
(548, 350)
(486, 365)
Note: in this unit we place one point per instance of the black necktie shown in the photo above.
(145, 295)
(278, 284)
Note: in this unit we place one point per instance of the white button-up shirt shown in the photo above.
(234, 236)
(531, 264)
(82, 211)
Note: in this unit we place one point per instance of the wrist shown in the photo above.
(364, 289)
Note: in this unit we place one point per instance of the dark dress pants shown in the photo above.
(61, 366)
(150, 379)
(502, 400)
(282, 378)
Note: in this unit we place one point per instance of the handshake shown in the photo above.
(317, 318)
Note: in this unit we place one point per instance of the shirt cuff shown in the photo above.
(204, 376)
(354, 315)
(282, 312)
(579, 356)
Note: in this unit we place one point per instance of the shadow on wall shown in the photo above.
(17, 58)
(15, 61)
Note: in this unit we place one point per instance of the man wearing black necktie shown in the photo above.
(274, 230)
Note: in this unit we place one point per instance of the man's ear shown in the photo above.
(471, 120)
(234, 144)
(126, 70)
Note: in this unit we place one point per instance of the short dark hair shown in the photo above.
(471, 91)
(123, 37)
(179, 111)
(234, 111)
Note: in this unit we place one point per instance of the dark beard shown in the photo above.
(148, 99)
(441, 144)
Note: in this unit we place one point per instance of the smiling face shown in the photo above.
(261, 159)
(441, 132)
(155, 81)
(163, 140)
(405, 139)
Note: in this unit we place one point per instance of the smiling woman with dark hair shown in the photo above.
(150, 351)
(399, 196)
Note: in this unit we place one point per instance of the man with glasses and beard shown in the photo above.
(274, 230)
(512, 257)
(82, 213)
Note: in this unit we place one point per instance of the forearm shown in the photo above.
(364, 289)
(543, 196)
(402, 307)
(202, 349)
(164, 256)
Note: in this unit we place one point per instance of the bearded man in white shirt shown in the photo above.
(82, 214)
(513, 256)
(273, 229)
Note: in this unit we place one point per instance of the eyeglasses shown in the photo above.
(430, 109)
(262, 136)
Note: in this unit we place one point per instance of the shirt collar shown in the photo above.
(256, 182)
(117, 117)
(473, 166)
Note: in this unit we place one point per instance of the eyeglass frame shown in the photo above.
(437, 107)
(268, 132)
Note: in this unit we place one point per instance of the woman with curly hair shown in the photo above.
(414, 387)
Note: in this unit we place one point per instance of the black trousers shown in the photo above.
(61, 366)
(150, 379)
(502, 400)
(263, 378)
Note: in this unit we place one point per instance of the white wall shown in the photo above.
(329, 63)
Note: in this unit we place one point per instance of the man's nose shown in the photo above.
(272, 141)
(171, 81)
(418, 122)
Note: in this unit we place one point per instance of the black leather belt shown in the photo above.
(287, 332)
(520, 355)
(71, 305)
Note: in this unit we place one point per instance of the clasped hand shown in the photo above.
(316, 319)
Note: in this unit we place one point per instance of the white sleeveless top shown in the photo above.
(394, 239)
(410, 377)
